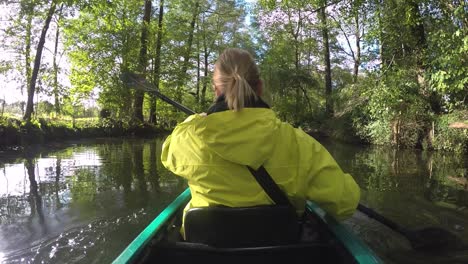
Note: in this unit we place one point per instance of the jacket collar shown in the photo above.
(220, 104)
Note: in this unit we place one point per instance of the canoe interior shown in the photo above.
(319, 246)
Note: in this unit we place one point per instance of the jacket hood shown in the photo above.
(246, 137)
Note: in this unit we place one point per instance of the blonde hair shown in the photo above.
(237, 76)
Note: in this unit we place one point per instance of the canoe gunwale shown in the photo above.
(132, 251)
(353, 244)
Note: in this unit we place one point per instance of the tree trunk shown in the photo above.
(205, 61)
(143, 63)
(37, 63)
(357, 59)
(205, 75)
(326, 56)
(419, 33)
(56, 88)
(56, 69)
(3, 105)
(197, 93)
(27, 52)
(157, 63)
(295, 34)
(396, 130)
(383, 58)
(188, 48)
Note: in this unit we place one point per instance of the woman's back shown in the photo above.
(213, 151)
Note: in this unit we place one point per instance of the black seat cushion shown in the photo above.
(243, 226)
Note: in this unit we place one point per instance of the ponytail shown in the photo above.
(237, 76)
(239, 94)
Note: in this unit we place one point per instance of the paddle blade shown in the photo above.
(426, 239)
(132, 79)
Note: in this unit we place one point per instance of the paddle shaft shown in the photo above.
(380, 218)
(166, 99)
(142, 84)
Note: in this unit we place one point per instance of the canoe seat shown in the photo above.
(242, 226)
(234, 238)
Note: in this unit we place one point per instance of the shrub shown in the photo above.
(447, 138)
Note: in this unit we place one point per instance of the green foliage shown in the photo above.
(9, 122)
(412, 63)
(448, 54)
(448, 138)
(45, 107)
(83, 185)
(386, 110)
(396, 102)
(103, 42)
(14, 131)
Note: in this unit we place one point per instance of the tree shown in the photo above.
(446, 58)
(37, 62)
(326, 58)
(143, 61)
(2, 103)
(350, 17)
(292, 28)
(28, 9)
(98, 61)
(188, 48)
(16, 40)
(157, 62)
(214, 20)
(56, 88)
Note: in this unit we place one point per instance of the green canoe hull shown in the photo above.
(355, 250)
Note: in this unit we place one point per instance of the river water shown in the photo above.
(83, 202)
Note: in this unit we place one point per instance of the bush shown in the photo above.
(389, 110)
(105, 113)
(16, 132)
(447, 138)
(9, 131)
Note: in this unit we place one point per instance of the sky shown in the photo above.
(9, 88)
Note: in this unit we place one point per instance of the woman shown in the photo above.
(213, 151)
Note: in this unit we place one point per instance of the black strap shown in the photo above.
(270, 186)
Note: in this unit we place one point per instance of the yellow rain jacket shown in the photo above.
(212, 153)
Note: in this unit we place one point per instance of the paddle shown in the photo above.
(140, 83)
(425, 239)
(429, 238)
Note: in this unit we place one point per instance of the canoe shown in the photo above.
(157, 243)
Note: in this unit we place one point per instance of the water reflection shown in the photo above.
(35, 199)
(139, 174)
(414, 188)
(153, 175)
(58, 173)
(87, 201)
(83, 203)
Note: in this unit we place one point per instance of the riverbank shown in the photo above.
(444, 133)
(15, 134)
(448, 132)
